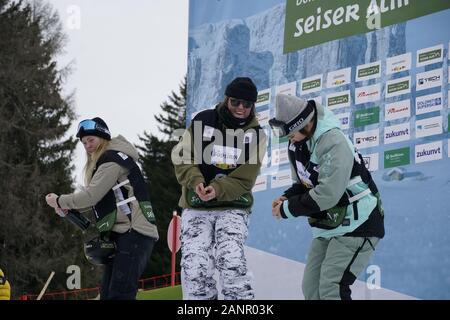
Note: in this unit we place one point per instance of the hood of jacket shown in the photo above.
(121, 144)
(326, 120)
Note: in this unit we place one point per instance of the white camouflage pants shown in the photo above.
(213, 240)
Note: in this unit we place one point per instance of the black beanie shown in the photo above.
(242, 88)
(93, 127)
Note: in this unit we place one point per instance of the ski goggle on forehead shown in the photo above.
(89, 125)
(281, 128)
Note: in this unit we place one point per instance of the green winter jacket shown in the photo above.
(228, 188)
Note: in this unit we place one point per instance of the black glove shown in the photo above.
(296, 189)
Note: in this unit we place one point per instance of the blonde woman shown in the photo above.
(116, 191)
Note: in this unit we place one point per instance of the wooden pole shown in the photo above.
(46, 285)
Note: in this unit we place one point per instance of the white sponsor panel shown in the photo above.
(429, 55)
(429, 79)
(367, 94)
(397, 110)
(398, 87)
(263, 117)
(366, 139)
(428, 152)
(398, 63)
(339, 78)
(448, 148)
(344, 119)
(287, 88)
(428, 127)
(397, 133)
(311, 84)
(337, 100)
(448, 97)
(371, 161)
(368, 71)
(429, 103)
(263, 98)
(280, 155)
(448, 74)
(260, 184)
(281, 179)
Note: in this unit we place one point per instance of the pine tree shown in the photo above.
(35, 155)
(157, 167)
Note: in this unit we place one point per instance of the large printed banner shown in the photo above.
(312, 22)
(389, 86)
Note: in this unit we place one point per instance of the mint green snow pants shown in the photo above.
(334, 264)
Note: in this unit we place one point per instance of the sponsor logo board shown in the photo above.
(396, 157)
(398, 63)
(311, 84)
(429, 103)
(338, 100)
(338, 78)
(368, 71)
(367, 94)
(429, 79)
(366, 139)
(397, 87)
(428, 127)
(428, 152)
(397, 133)
(397, 110)
(429, 55)
(281, 179)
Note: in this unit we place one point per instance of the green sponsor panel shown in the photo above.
(366, 117)
(338, 100)
(311, 84)
(399, 86)
(312, 22)
(368, 71)
(263, 97)
(430, 55)
(397, 157)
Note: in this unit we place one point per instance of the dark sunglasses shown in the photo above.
(236, 102)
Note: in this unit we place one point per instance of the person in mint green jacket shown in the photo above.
(334, 189)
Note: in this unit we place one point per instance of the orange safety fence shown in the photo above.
(93, 293)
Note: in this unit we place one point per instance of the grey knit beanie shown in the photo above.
(288, 108)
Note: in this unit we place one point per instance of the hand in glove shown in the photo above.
(52, 200)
